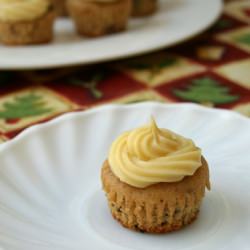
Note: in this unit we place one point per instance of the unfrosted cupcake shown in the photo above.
(99, 17)
(60, 7)
(154, 179)
(26, 21)
(144, 7)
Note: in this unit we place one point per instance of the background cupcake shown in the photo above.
(144, 7)
(60, 7)
(154, 180)
(99, 17)
(26, 22)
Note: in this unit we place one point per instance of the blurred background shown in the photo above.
(210, 67)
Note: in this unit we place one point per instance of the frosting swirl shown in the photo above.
(22, 10)
(149, 155)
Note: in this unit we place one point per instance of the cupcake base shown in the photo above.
(163, 227)
(144, 7)
(37, 31)
(94, 19)
(60, 7)
(159, 208)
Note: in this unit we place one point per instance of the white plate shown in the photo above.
(176, 21)
(50, 190)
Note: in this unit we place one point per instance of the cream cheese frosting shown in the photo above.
(149, 155)
(22, 10)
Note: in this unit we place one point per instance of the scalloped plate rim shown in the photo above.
(71, 115)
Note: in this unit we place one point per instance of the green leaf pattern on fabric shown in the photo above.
(222, 24)
(91, 84)
(206, 90)
(244, 39)
(153, 66)
(24, 106)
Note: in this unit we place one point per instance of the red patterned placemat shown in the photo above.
(213, 70)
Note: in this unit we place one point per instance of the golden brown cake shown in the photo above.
(25, 22)
(144, 7)
(154, 180)
(60, 7)
(99, 17)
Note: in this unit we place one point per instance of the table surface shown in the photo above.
(212, 69)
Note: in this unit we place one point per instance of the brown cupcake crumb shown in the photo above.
(60, 7)
(144, 7)
(96, 19)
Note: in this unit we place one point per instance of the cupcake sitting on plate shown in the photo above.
(60, 7)
(144, 7)
(95, 18)
(154, 179)
(26, 21)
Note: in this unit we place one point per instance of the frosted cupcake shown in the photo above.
(26, 21)
(99, 17)
(154, 179)
(144, 7)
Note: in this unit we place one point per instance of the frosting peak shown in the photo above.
(149, 155)
(22, 10)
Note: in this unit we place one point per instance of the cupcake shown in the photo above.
(60, 7)
(26, 21)
(144, 7)
(154, 179)
(95, 18)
